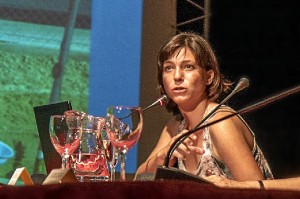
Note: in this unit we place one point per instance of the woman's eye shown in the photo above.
(167, 68)
(188, 67)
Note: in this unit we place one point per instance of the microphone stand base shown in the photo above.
(171, 173)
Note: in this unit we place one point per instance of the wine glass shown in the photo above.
(65, 135)
(110, 154)
(124, 126)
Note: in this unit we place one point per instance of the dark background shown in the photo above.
(260, 40)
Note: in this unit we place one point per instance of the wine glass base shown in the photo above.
(92, 178)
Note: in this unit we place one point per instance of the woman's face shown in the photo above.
(184, 80)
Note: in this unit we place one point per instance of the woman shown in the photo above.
(188, 73)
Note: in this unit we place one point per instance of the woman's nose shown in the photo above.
(178, 74)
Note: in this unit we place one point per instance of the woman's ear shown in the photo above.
(210, 76)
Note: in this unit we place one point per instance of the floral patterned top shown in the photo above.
(209, 165)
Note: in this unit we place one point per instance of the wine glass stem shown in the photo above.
(112, 173)
(122, 171)
(65, 161)
(112, 164)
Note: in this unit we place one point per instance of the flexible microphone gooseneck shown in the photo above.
(171, 173)
(242, 84)
(160, 101)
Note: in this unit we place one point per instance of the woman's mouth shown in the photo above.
(179, 90)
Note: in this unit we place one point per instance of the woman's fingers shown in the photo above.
(187, 146)
(184, 150)
(181, 151)
(188, 141)
(197, 150)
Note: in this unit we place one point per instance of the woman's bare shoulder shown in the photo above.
(228, 125)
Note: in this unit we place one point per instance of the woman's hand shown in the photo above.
(158, 155)
(184, 149)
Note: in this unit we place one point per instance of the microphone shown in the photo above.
(163, 172)
(242, 84)
(160, 101)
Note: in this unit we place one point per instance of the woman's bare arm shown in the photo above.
(280, 184)
(232, 147)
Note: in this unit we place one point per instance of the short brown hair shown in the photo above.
(204, 56)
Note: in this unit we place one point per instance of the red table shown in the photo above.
(138, 189)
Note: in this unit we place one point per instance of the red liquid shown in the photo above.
(89, 164)
(126, 142)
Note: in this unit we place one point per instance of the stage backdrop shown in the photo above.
(115, 58)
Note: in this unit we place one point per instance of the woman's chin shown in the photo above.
(179, 99)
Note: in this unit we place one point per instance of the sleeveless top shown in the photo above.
(209, 165)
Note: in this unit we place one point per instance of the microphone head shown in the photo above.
(242, 84)
(163, 100)
(160, 101)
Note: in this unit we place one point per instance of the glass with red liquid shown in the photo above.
(124, 125)
(65, 135)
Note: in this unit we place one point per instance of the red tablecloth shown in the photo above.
(139, 190)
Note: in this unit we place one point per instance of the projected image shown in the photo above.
(30, 48)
